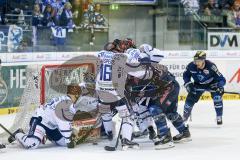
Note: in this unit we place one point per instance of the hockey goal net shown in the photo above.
(43, 83)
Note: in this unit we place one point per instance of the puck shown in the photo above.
(95, 143)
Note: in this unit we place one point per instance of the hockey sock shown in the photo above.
(177, 122)
(219, 110)
(107, 122)
(218, 105)
(161, 124)
(187, 111)
(127, 130)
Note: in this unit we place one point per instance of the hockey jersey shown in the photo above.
(58, 114)
(209, 74)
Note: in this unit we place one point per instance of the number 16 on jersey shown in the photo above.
(105, 72)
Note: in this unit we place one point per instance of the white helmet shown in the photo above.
(155, 54)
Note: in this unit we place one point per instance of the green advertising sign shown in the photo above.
(12, 84)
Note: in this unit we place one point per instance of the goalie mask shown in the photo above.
(74, 90)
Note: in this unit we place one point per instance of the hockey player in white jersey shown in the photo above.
(54, 119)
(143, 118)
(109, 98)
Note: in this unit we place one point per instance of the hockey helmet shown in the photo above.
(200, 55)
(129, 43)
(109, 46)
(146, 48)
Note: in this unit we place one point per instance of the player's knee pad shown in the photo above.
(193, 98)
(102, 108)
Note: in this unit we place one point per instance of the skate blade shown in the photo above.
(164, 146)
(3, 150)
(184, 140)
(124, 148)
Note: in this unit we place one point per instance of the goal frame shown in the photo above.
(43, 72)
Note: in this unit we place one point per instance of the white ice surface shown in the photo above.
(209, 141)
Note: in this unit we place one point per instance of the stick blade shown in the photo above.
(109, 148)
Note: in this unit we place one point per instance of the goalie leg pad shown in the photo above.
(31, 141)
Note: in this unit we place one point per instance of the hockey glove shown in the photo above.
(190, 87)
(71, 145)
(217, 88)
(72, 142)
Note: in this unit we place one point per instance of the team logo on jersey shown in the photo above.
(200, 77)
(206, 71)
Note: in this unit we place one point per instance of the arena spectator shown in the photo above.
(36, 22)
(233, 15)
(77, 11)
(190, 6)
(212, 8)
(48, 16)
(66, 18)
(3, 9)
(225, 4)
(99, 19)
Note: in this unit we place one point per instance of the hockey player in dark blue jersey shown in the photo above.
(206, 77)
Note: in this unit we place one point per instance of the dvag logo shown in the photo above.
(224, 40)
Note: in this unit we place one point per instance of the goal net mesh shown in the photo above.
(42, 84)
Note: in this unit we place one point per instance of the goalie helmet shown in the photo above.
(74, 89)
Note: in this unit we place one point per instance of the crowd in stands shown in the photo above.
(54, 12)
(59, 16)
(228, 9)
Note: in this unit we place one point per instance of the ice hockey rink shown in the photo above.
(209, 141)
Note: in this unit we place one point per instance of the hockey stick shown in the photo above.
(4, 128)
(227, 92)
(113, 148)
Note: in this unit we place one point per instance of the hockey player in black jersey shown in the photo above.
(163, 103)
(206, 77)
